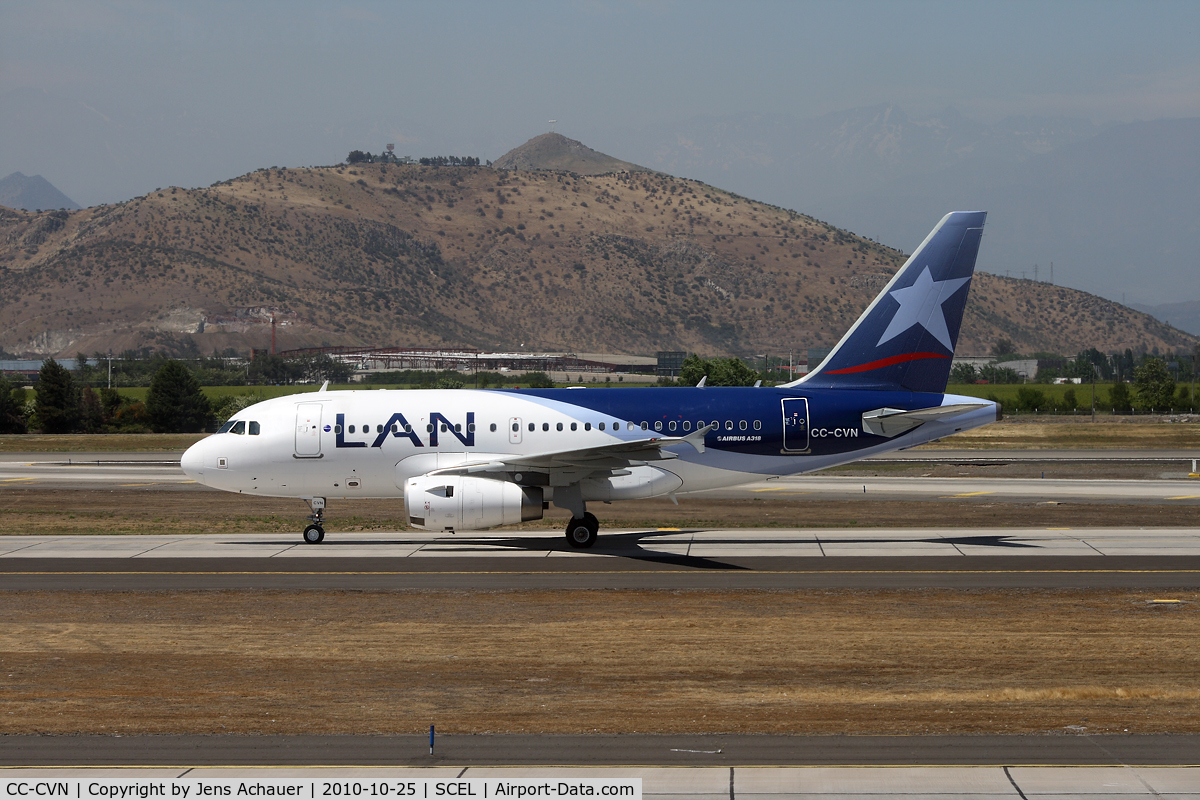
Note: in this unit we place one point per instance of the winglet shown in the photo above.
(700, 385)
(324, 386)
(696, 439)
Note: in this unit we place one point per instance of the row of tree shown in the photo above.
(174, 404)
(364, 157)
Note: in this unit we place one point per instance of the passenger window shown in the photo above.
(757, 425)
(407, 428)
(532, 427)
(471, 428)
(645, 425)
(658, 425)
(444, 427)
(601, 425)
(493, 427)
(742, 425)
(254, 429)
(351, 429)
(516, 427)
(228, 426)
(687, 425)
(559, 426)
(458, 428)
(239, 427)
(629, 425)
(545, 426)
(671, 425)
(728, 424)
(574, 426)
(337, 428)
(429, 427)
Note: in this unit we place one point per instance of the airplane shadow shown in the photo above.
(636, 545)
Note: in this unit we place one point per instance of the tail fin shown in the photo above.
(906, 337)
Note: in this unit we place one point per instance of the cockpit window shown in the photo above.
(239, 427)
(226, 427)
(254, 429)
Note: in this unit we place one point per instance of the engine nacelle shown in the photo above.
(453, 502)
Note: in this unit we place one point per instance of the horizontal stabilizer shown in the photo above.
(891, 422)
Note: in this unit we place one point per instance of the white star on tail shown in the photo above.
(921, 304)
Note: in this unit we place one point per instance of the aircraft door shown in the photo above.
(795, 425)
(514, 430)
(308, 430)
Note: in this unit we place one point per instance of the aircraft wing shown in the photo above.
(582, 462)
(895, 421)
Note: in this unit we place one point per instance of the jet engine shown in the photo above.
(452, 502)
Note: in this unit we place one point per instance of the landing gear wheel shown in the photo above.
(314, 534)
(581, 533)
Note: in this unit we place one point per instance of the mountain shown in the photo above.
(410, 255)
(32, 194)
(556, 152)
(1185, 316)
(1114, 208)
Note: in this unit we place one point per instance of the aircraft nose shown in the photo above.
(192, 460)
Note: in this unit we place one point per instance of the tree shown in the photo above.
(1031, 400)
(1118, 398)
(731, 372)
(693, 369)
(963, 373)
(57, 405)
(1154, 386)
(1070, 400)
(533, 380)
(175, 403)
(91, 412)
(12, 418)
(1003, 347)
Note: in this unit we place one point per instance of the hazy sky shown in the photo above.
(108, 100)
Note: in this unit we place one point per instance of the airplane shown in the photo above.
(472, 459)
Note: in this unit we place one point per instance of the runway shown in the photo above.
(148, 475)
(670, 559)
(668, 767)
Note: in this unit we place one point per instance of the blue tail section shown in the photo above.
(906, 337)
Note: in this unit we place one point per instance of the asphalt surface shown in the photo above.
(1168, 573)
(622, 750)
(150, 472)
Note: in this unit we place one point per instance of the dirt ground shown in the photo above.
(34, 511)
(921, 661)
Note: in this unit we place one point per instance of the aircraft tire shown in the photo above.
(314, 534)
(581, 533)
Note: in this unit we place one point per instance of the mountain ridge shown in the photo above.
(32, 193)
(406, 255)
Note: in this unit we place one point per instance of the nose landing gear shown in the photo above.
(315, 533)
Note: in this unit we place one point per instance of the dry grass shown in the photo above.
(33, 511)
(1110, 433)
(606, 661)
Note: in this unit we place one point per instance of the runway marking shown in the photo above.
(965, 494)
(14, 480)
(1184, 497)
(125, 485)
(651, 572)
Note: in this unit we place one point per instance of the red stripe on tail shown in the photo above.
(885, 362)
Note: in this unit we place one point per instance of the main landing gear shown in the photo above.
(581, 532)
(315, 533)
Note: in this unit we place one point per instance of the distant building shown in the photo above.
(670, 363)
(816, 355)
